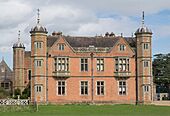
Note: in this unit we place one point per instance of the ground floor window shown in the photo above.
(100, 88)
(122, 87)
(84, 87)
(5, 85)
(146, 88)
(61, 87)
(39, 88)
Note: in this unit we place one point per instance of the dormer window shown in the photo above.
(122, 47)
(61, 46)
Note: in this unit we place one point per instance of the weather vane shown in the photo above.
(38, 14)
(143, 16)
(19, 35)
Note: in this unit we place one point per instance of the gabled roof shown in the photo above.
(4, 64)
(87, 41)
(7, 71)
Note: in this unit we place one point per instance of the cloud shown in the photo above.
(117, 25)
(13, 12)
(78, 17)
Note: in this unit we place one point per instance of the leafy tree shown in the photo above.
(161, 72)
(27, 92)
(3, 93)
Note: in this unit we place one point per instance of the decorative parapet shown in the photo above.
(61, 73)
(122, 74)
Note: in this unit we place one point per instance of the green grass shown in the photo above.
(94, 110)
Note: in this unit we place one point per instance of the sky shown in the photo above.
(83, 18)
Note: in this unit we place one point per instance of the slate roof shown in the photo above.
(87, 41)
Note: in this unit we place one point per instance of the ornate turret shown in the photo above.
(18, 44)
(143, 28)
(18, 64)
(144, 63)
(38, 28)
(38, 62)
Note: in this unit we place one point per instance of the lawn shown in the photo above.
(95, 110)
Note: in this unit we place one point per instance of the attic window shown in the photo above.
(61, 46)
(122, 47)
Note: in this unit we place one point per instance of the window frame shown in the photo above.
(146, 63)
(38, 44)
(122, 47)
(84, 65)
(84, 87)
(38, 88)
(61, 87)
(61, 46)
(61, 64)
(122, 86)
(146, 88)
(100, 64)
(100, 87)
(145, 46)
(122, 64)
(38, 63)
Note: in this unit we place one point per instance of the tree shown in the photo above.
(161, 72)
(3, 93)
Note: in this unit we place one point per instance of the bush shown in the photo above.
(3, 93)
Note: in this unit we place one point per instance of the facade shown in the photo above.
(100, 69)
(6, 76)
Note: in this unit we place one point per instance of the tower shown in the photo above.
(38, 62)
(144, 63)
(18, 64)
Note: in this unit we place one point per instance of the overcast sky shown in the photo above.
(83, 18)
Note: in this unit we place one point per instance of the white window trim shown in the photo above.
(100, 65)
(80, 88)
(126, 87)
(87, 64)
(57, 88)
(145, 88)
(38, 92)
(104, 88)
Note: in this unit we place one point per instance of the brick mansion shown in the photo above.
(75, 69)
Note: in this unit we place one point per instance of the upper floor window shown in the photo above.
(38, 88)
(61, 87)
(84, 87)
(84, 64)
(146, 63)
(61, 64)
(122, 64)
(122, 47)
(146, 46)
(61, 46)
(100, 88)
(38, 63)
(100, 64)
(38, 44)
(122, 87)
